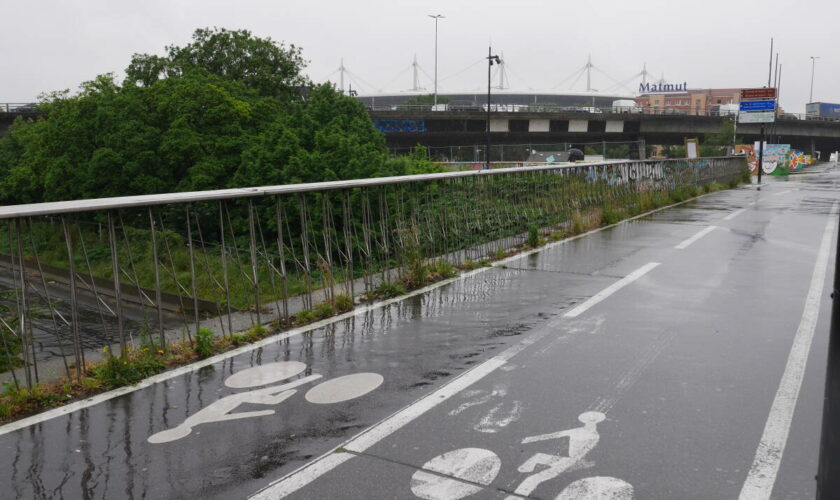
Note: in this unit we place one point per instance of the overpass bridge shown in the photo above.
(676, 354)
(408, 126)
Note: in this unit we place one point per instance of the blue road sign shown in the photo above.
(768, 105)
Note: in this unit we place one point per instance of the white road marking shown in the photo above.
(686, 243)
(734, 214)
(358, 311)
(781, 193)
(606, 292)
(768, 456)
(268, 373)
(475, 465)
(497, 419)
(359, 443)
(344, 388)
(604, 487)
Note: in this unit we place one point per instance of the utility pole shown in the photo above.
(436, 17)
(761, 138)
(813, 63)
(490, 60)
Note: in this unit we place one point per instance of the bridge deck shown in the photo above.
(677, 328)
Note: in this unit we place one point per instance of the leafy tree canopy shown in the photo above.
(426, 100)
(227, 110)
(270, 68)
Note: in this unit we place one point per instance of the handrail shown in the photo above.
(556, 108)
(61, 207)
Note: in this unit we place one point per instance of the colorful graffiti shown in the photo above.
(400, 125)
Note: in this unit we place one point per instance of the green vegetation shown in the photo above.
(227, 110)
(425, 100)
(204, 343)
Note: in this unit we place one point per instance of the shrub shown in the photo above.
(303, 317)
(533, 236)
(204, 342)
(323, 310)
(343, 303)
(442, 269)
(577, 223)
(387, 290)
(610, 215)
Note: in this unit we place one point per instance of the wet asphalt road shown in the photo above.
(684, 363)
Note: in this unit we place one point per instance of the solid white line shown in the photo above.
(734, 214)
(694, 238)
(782, 192)
(768, 456)
(359, 443)
(606, 292)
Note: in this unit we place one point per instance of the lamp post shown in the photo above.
(813, 63)
(436, 17)
(490, 60)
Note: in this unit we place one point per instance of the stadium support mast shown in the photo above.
(342, 69)
(416, 86)
(589, 73)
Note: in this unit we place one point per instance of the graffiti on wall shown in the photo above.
(400, 125)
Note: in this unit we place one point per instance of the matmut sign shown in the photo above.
(652, 88)
(758, 93)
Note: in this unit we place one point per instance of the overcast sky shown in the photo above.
(55, 44)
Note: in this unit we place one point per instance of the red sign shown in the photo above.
(758, 93)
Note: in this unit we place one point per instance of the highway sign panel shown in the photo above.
(757, 117)
(767, 105)
(758, 93)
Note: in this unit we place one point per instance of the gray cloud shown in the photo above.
(54, 44)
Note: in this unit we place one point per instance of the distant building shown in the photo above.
(691, 102)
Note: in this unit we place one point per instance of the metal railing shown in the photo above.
(18, 107)
(557, 109)
(86, 273)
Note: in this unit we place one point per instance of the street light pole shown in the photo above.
(490, 60)
(813, 63)
(436, 17)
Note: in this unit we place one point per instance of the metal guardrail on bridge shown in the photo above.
(294, 250)
(443, 109)
(18, 107)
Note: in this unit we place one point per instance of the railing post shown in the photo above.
(828, 474)
(115, 263)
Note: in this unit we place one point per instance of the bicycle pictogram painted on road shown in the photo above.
(460, 473)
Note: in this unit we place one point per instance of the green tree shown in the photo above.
(271, 68)
(426, 100)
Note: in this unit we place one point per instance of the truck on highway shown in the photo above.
(822, 110)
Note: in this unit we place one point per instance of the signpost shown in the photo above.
(763, 105)
(758, 106)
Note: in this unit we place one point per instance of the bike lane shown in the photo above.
(683, 364)
(414, 345)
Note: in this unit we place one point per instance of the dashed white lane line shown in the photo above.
(768, 456)
(734, 214)
(308, 473)
(606, 292)
(694, 238)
